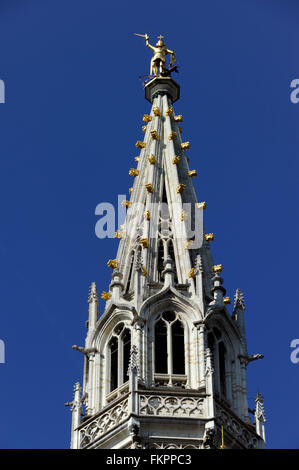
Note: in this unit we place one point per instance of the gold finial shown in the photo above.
(201, 205)
(192, 173)
(112, 263)
(178, 118)
(160, 51)
(222, 439)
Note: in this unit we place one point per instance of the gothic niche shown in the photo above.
(119, 348)
(216, 345)
(169, 350)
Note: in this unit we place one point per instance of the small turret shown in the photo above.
(93, 301)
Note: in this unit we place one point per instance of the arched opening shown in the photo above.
(170, 350)
(113, 346)
(160, 261)
(160, 347)
(126, 342)
(222, 354)
(170, 250)
(130, 272)
(178, 348)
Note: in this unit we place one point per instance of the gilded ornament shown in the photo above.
(137, 159)
(185, 145)
(172, 135)
(152, 159)
(126, 204)
(209, 237)
(192, 273)
(140, 145)
(169, 111)
(184, 215)
(130, 190)
(147, 118)
(226, 300)
(192, 173)
(178, 118)
(180, 188)
(217, 268)
(156, 111)
(149, 187)
(119, 234)
(144, 242)
(201, 205)
(144, 128)
(112, 263)
(144, 271)
(105, 295)
(133, 172)
(147, 215)
(160, 51)
(176, 159)
(155, 135)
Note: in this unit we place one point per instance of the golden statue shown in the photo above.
(160, 52)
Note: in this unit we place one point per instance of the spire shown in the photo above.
(238, 317)
(165, 329)
(93, 301)
(259, 416)
(239, 300)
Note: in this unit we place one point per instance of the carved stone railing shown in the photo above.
(117, 392)
(165, 380)
(112, 415)
(166, 404)
(242, 432)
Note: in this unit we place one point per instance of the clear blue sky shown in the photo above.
(68, 129)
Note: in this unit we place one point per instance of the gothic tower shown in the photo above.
(165, 363)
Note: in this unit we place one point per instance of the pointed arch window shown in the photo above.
(160, 260)
(169, 349)
(119, 348)
(130, 272)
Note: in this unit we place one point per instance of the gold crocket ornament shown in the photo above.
(160, 51)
